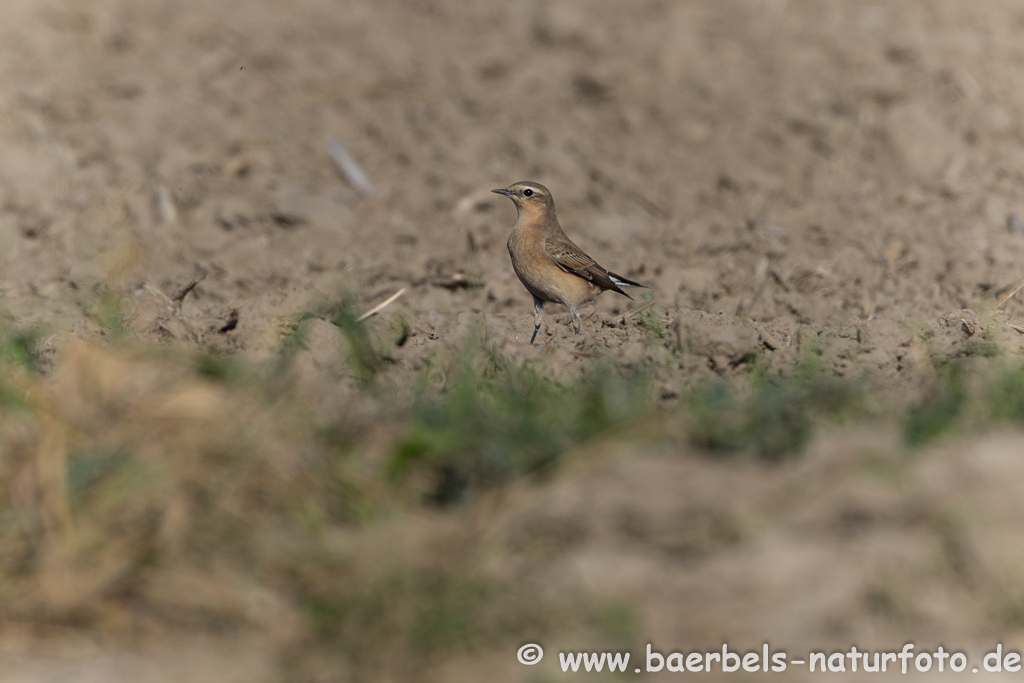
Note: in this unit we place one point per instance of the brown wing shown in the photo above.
(572, 259)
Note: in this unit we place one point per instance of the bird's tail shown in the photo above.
(621, 281)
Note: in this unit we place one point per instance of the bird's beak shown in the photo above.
(507, 193)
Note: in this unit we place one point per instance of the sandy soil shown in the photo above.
(781, 173)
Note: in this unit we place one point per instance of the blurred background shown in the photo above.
(216, 467)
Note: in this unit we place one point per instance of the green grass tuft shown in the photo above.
(937, 414)
(106, 308)
(772, 418)
(494, 420)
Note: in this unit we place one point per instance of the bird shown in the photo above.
(549, 264)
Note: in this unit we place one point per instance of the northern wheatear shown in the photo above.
(547, 262)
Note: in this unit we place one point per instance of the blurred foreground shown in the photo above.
(274, 526)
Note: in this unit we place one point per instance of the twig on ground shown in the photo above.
(381, 306)
(180, 295)
(1013, 290)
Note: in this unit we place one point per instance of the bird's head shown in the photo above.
(529, 197)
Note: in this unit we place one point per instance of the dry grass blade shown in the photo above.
(381, 306)
(1013, 290)
(639, 309)
(962, 302)
(349, 168)
(164, 201)
(158, 293)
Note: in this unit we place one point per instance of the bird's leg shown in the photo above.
(538, 312)
(575, 320)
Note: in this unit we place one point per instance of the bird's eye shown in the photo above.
(527, 192)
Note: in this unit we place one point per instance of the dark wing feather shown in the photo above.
(572, 259)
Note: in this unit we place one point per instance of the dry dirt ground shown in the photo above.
(847, 175)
